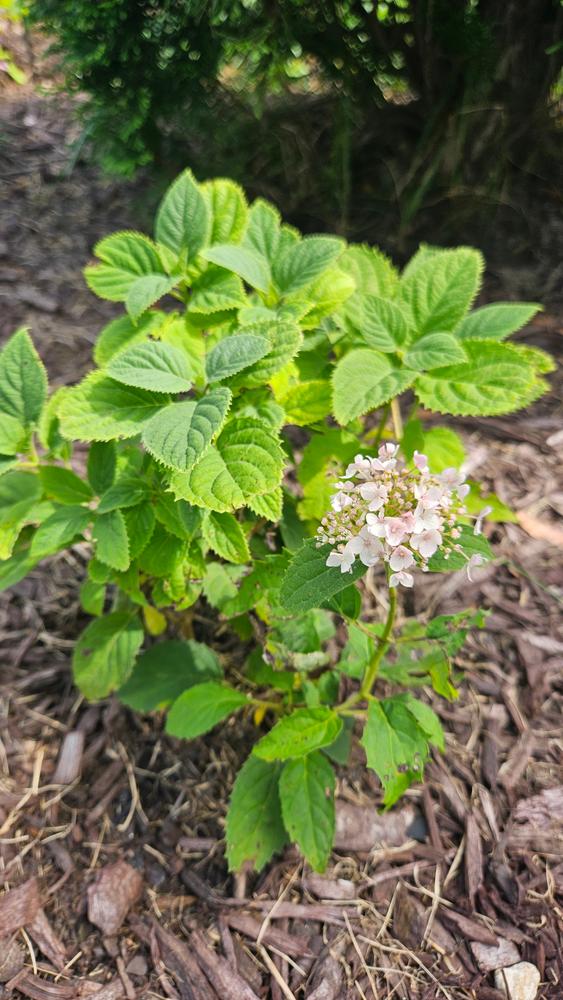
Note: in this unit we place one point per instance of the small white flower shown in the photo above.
(375, 494)
(463, 490)
(360, 467)
(395, 530)
(343, 558)
(425, 518)
(401, 558)
(405, 579)
(476, 560)
(340, 500)
(367, 547)
(376, 525)
(451, 478)
(479, 520)
(427, 542)
(421, 461)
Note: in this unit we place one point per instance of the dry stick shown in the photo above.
(359, 954)
(273, 969)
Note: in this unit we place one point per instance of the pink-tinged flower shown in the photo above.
(425, 518)
(451, 478)
(375, 525)
(395, 530)
(409, 521)
(428, 496)
(463, 490)
(421, 461)
(479, 520)
(340, 500)
(343, 557)
(367, 547)
(404, 579)
(427, 542)
(360, 467)
(476, 560)
(388, 450)
(374, 493)
(401, 558)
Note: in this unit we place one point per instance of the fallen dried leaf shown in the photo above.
(115, 890)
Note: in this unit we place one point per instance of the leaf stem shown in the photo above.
(375, 662)
(397, 419)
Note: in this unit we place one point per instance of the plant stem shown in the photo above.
(372, 670)
(397, 419)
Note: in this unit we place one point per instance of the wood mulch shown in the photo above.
(112, 873)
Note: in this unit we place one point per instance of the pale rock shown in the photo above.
(518, 982)
(492, 957)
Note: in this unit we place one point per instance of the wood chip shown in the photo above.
(360, 828)
(541, 811)
(330, 888)
(46, 940)
(471, 929)
(70, 758)
(180, 960)
(473, 858)
(116, 889)
(223, 978)
(19, 906)
(295, 947)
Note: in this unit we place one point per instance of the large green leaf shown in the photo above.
(285, 340)
(395, 747)
(125, 257)
(254, 827)
(152, 365)
(112, 544)
(101, 409)
(145, 291)
(233, 354)
(216, 291)
(105, 653)
(434, 350)
(183, 221)
(441, 289)
(253, 455)
(209, 484)
(128, 491)
(64, 485)
(263, 229)
(497, 321)
(309, 582)
(201, 707)
(496, 378)
(304, 261)
(121, 333)
(295, 735)
(59, 530)
(381, 322)
(228, 210)
(363, 380)
(307, 799)
(307, 402)
(224, 535)
(180, 434)
(165, 670)
(102, 463)
(372, 271)
(12, 435)
(140, 522)
(15, 568)
(23, 382)
(247, 263)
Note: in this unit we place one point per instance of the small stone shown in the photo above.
(492, 957)
(137, 966)
(518, 982)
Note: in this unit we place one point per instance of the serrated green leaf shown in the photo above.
(285, 340)
(307, 800)
(254, 828)
(101, 409)
(201, 707)
(497, 321)
(209, 484)
(128, 491)
(183, 221)
(112, 544)
(232, 354)
(309, 582)
(372, 271)
(163, 554)
(92, 597)
(102, 461)
(125, 257)
(383, 324)
(164, 671)
(298, 734)
(228, 210)
(248, 264)
(443, 448)
(122, 333)
(216, 291)
(23, 382)
(263, 229)
(441, 289)
(145, 291)
(59, 530)
(268, 505)
(152, 365)
(224, 535)
(15, 568)
(140, 522)
(323, 297)
(469, 545)
(105, 653)
(304, 261)
(178, 517)
(395, 748)
(427, 720)
(434, 350)
(363, 380)
(496, 378)
(252, 454)
(12, 435)
(307, 402)
(64, 485)
(180, 434)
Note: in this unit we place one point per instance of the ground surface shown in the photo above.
(463, 877)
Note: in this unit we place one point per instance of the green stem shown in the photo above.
(397, 419)
(373, 668)
(378, 433)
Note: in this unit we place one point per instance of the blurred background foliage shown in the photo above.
(354, 115)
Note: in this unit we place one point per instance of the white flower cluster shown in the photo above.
(383, 510)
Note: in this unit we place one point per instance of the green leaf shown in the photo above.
(357, 652)
(254, 828)
(263, 229)
(178, 517)
(145, 291)
(92, 597)
(392, 753)
(304, 261)
(469, 544)
(323, 297)
(443, 448)
(102, 460)
(253, 455)
(363, 380)
(372, 271)
(122, 333)
(497, 321)
(125, 257)
(476, 499)
(427, 720)
(105, 653)
(110, 535)
(12, 435)
(140, 522)
(247, 263)
(23, 382)
(268, 505)
(180, 434)
(224, 535)
(381, 322)
(209, 484)
(163, 554)
(307, 402)
(100, 409)
(496, 378)
(167, 669)
(216, 291)
(285, 340)
(200, 708)
(64, 485)
(128, 491)
(152, 365)
(235, 353)
(309, 582)
(307, 800)
(228, 210)
(295, 735)
(434, 350)
(441, 289)
(15, 568)
(59, 530)
(183, 220)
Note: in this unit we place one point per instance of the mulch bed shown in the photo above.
(111, 833)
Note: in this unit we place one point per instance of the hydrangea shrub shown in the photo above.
(247, 448)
